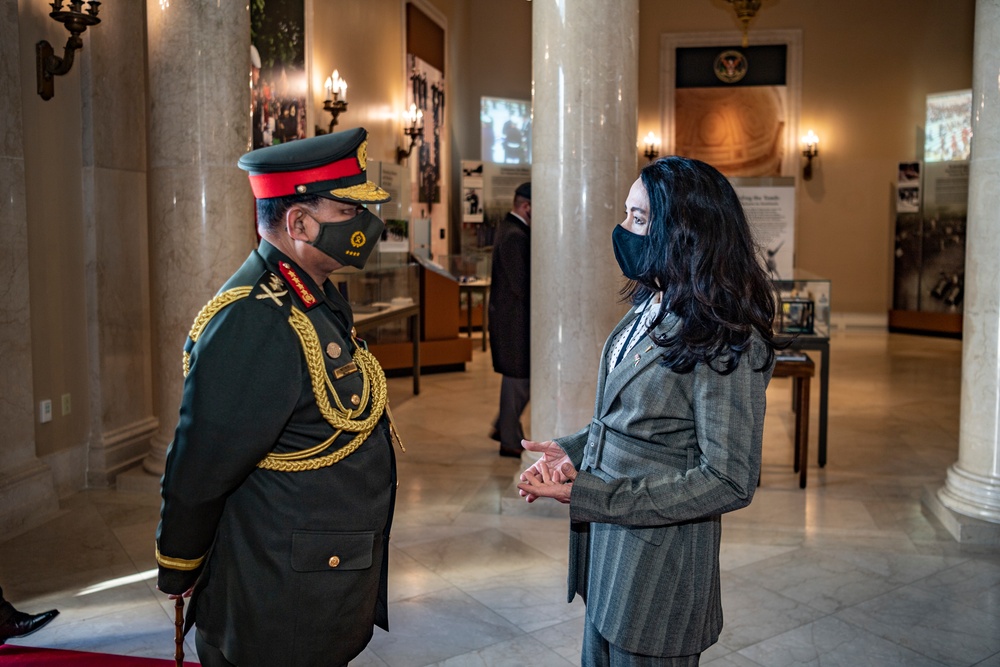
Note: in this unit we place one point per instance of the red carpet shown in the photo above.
(27, 656)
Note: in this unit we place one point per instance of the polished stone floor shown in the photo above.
(849, 572)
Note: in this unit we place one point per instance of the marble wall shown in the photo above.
(116, 243)
(53, 162)
(867, 103)
(27, 492)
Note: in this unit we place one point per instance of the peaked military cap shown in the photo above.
(330, 165)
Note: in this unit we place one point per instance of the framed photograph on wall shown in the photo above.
(277, 72)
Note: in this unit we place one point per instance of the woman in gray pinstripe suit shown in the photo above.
(676, 436)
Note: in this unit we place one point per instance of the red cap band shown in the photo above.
(283, 183)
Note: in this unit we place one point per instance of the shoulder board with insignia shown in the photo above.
(308, 298)
(271, 289)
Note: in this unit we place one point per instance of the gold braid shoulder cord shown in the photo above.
(341, 418)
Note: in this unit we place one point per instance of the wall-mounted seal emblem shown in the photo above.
(730, 66)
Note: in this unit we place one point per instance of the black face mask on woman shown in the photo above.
(350, 242)
(630, 250)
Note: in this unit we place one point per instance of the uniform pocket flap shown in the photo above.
(318, 551)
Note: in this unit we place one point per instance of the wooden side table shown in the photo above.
(801, 371)
(481, 285)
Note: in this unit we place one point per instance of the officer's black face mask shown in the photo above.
(352, 241)
(630, 250)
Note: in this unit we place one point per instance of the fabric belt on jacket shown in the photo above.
(631, 457)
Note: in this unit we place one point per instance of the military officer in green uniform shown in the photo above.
(280, 480)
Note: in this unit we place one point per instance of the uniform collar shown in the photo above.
(307, 292)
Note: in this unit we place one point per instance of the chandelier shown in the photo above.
(745, 10)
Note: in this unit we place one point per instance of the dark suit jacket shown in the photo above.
(268, 593)
(665, 455)
(510, 299)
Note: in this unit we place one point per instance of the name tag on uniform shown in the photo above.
(345, 370)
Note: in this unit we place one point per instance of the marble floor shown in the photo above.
(850, 571)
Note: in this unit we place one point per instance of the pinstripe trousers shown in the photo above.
(598, 652)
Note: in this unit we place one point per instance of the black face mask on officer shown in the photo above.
(350, 242)
(630, 251)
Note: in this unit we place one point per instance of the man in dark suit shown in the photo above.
(509, 317)
(280, 481)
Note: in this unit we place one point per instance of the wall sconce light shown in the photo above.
(810, 149)
(652, 146)
(336, 98)
(76, 21)
(414, 129)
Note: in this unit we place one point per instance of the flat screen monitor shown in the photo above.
(506, 130)
(948, 132)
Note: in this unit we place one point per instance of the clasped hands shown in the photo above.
(551, 476)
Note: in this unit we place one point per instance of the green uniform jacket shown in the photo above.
(295, 563)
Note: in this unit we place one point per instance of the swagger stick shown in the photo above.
(179, 632)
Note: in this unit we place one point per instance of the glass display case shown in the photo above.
(464, 268)
(803, 305)
(472, 273)
(803, 321)
(389, 283)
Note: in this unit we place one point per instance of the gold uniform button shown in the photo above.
(334, 561)
(355, 400)
(300, 189)
(333, 350)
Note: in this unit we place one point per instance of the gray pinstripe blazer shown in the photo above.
(665, 455)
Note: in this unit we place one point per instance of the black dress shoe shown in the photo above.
(513, 453)
(494, 434)
(21, 624)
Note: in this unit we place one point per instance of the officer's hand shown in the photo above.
(185, 594)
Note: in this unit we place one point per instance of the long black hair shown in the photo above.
(701, 254)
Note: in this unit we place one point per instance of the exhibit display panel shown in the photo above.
(506, 130)
(932, 203)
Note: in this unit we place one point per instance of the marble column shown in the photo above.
(972, 488)
(200, 204)
(27, 490)
(585, 70)
(116, 246)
